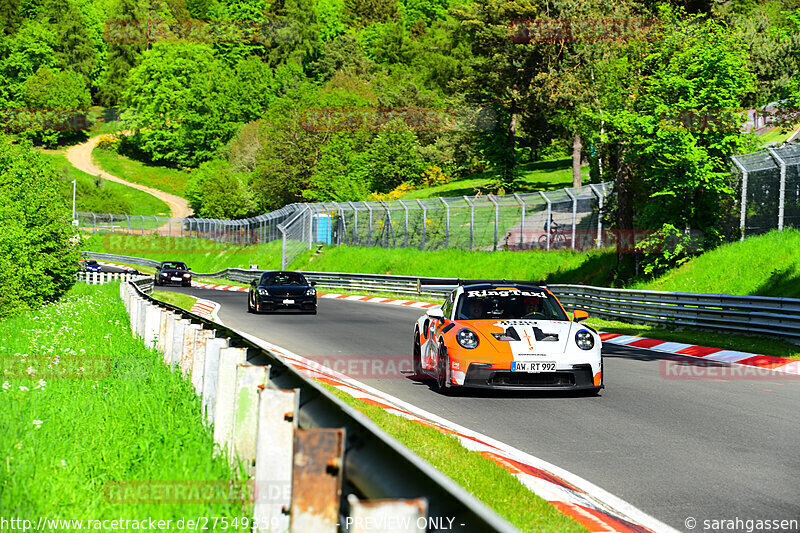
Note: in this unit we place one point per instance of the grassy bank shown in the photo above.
(86, 412)
(163, 178)
(484, 479)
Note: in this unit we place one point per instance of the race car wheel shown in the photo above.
(416, 356)
(442, 363)
(250, 305)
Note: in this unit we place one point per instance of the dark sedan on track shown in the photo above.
(173, 273)
(281, 290)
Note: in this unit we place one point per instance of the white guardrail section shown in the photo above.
(763, 315)
(316, 463)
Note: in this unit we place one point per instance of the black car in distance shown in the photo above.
(281, 290)
(173, 272)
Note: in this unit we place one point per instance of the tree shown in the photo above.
(37, 257)
(215, 191)
(342, 173)
(393, 158)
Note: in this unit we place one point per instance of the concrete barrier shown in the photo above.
(249, 380)
(152, 320)
(199, 359)
(211, 377)
(177, 342)
(189, 336)
(229, 361)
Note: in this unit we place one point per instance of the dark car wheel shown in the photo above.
(186, 283)
(250, 305)
(442, 362)
(416, 356)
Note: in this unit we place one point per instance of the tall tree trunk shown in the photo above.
(624, 211)
(577, 145)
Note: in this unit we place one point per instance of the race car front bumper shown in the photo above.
(579, 377)
(272, 303)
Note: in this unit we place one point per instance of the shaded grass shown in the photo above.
(184, 301)
(124, 418)
(162, 178)
(101, 196)
(201, 255)
(767, 265)
(484, 479)
(561, 266)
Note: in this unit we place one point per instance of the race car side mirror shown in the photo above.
(580, 314)
(436, 313)
(253, 283)
(313, 283)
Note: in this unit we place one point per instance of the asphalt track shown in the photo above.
(706, 448)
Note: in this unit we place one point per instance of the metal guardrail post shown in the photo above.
(496, 219)
(782, 197)
(471, 219)
(424, 221)
(405, 238)
(447, 223)
(600, 198)
(574, 214)
(549, 221)
(521, 219)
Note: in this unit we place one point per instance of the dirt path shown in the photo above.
(80, 156)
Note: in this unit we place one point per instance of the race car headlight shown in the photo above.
(467, 338)
(263, 292)
(187, 275)
(164, 274)
(584, 340)
(311, 292)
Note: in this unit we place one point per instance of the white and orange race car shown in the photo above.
(506, 336)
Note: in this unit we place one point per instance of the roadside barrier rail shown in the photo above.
(314, 459)
(762, 315)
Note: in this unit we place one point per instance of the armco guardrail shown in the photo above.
(288, 429)
(764, 315)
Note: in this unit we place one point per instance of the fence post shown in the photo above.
(548, 219)
(424, 221)
(446, 223)
(354, 240)
(311, 226)
(94, 221)
(782, 197)
(344, 225)
(471, 219)
(521, 219)
(389, 218)
(128, 222)
(369, 233)
(574, 214)
(743, 205)
(600, 198)
(142, 224)
(405, 208)
(282, 229)
(496, 219)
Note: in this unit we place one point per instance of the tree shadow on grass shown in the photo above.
(784, 283)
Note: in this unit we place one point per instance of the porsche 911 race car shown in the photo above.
(281, 290)
(507, 337)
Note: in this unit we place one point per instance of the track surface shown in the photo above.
(707, 449)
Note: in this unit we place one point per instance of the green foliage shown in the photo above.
(393, 158)
(666, 249)
(341, 174)
(37, 259)
(214, 191)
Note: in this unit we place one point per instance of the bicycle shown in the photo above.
(558, 236)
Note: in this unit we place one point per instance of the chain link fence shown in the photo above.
(563, 219)
(768, 189)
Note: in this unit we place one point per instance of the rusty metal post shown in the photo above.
(317, 480)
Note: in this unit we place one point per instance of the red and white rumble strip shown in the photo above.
(376, 300)
(213, 287)
(717, 355)
(206, 309)
(594, 508)
(123, 267)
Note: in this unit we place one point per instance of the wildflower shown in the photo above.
(63, 462)
(38, 423)
(41, 384)
(6, 385)
(31, 370)
(23, 388)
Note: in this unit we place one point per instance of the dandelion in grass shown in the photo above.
(38, 423)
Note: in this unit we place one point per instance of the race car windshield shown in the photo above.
(283, 279)
(491, 304)
(174, 266)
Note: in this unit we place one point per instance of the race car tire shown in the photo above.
(185, 284)
(416, 356)
(442, 364)
(249, 306)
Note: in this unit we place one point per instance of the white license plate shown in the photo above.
(533, 366)
(177, 278)
(288, 301)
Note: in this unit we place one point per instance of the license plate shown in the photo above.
(176, 278)
(533, 366)
(288, 301)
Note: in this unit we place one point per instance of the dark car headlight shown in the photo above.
(311, 292)
(467, 338)
(164, 274)
(584, 340)
(263, 292)
(187, 275)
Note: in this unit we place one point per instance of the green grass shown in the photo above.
(184, 301)
(103, 120)
(162, 178)
(484, 479)
(70, 440)
(559, 266)
(538, 176)
(777, 135)
(767, 265)
(103, 196)
(201, 255)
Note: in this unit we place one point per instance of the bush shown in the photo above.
(37, 258)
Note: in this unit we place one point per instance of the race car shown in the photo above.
(506, 336)
(92, 266)
(281, 290)
(173, 272)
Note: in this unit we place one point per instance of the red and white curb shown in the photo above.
(124, 267)
(211, 286)
(206, 309)
(376, 300)
(718, 355)
(594, 508)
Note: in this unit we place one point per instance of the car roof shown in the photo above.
(179, 262)
(494, 286)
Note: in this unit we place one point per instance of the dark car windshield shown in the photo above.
(284, 278)
(174, 266)
(506, 304)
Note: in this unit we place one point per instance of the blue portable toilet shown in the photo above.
(322, 233)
